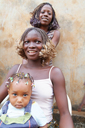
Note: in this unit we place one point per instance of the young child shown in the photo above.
(20, 111)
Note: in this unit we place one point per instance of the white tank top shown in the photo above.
(43, 94)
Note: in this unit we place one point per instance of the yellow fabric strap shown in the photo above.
(18, 120)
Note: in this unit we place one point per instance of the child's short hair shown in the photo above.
(19, 76)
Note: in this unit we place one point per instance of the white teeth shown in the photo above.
(31, 51)
(44, 18)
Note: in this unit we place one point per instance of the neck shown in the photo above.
(45, 28)
(34, 64)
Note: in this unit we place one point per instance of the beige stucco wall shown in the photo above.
(14, 19)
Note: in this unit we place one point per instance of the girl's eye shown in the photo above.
(49, 13)
(14, 94)
(38, 42)
(42, 12)
(26, 42)
(25, 95)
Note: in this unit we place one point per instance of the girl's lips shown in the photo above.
(31, 52)
(44, 19)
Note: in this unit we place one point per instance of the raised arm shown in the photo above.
(3, 88)
(61, 98)
(56, 37)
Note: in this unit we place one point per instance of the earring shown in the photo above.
(7, 86)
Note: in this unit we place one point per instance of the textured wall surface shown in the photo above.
(14, 19)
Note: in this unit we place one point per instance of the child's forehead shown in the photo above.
(20, 88)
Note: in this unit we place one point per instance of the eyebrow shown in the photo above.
(25, 92)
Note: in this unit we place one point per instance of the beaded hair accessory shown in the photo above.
(20, 75)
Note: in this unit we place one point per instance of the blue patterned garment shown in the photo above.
(30, 123)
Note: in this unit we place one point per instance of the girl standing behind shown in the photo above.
(44, 17)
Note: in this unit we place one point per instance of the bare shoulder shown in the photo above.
(56, 70)
(57, 33)
(57, 74)
(12, 71)
(56, 37)
(15, 67)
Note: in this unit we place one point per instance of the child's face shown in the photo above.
(19, 93)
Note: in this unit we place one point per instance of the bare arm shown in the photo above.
(61, 98)
(3, 88)
(56, 37)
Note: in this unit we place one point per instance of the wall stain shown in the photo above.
(74, 1)
(7, 43)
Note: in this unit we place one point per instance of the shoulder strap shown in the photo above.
(18, 120)
(28, 107)
(50, 71)
(5, 107)
(18, 68)
(50, 34)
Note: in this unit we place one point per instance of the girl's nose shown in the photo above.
(46, 14)
(31, 44)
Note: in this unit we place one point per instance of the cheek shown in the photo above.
(40, 47)
(39, 16)
(24, 47)
(12, 100)
(26, 101)
(50, 18)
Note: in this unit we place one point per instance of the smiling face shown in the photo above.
(32, 45)
(19, 94)
(45, 16)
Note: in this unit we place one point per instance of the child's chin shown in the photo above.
(18, 106)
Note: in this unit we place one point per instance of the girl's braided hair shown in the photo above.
(48, 50)
(19, 76)
(34, 21)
